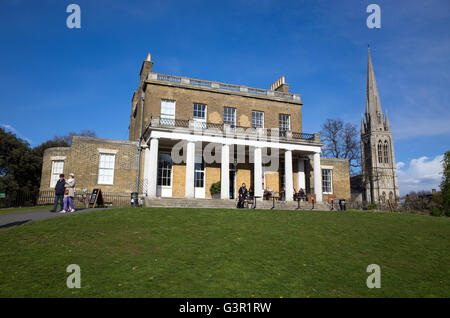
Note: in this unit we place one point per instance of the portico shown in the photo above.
(217, 149)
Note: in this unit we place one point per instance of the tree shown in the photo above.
(21, 165)
(17, 167)
(39, 150)
(341, 141)
(445, 184)
(68, 138)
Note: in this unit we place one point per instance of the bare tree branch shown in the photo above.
(341, 141)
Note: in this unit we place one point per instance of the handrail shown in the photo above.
(274, 132)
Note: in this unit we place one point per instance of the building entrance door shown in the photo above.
(164, 188)
(232, 184)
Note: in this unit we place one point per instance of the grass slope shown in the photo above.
(165, 252)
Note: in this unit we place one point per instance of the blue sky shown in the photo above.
(54, 80)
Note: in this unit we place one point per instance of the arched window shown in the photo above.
(386, 152)
(383, 197)
(391, 197)
(380, 152)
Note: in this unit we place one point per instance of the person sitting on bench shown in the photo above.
(268, 193)
(242, 195)
(301, 194)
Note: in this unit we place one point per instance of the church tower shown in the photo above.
(379, 173)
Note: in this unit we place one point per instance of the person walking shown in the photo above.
(59, 193)
(69, 194)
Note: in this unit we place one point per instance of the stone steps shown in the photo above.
(228, 204)
(189, 203)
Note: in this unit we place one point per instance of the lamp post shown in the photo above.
(140, 144)
(235, 172)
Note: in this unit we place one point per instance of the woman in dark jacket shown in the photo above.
(59, 193)
(242, 195)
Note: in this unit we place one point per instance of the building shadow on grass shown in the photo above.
(7, 225)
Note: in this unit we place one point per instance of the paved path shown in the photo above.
(18, 218)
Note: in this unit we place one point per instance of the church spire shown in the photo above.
(378, 168)
(387, 124)
(373, 107)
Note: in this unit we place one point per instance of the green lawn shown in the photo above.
(165, 252)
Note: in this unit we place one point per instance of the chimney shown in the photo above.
(146, 68)
(280, 85)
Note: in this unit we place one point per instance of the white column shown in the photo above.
(153, 167)
(317, 177)
(257, 169)
(301, 174)
(147, 165)
(225, 173)
(190, 172)
(289, 191)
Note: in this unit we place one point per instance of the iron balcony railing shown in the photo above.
(223, 86)
(195, 124)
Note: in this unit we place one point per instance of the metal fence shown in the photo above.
(275, 132)
(25, 199)
(82, 198)
(18, 198)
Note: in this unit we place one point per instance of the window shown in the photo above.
(106, 168)
(200, 111)
(200, 115)
(164, 169)
(327, 181)
(229, 116)
(168, 112)
(257, 119)
(380, 152)
(386, 152)
(199, 172)
(284, 123)
(57, 169)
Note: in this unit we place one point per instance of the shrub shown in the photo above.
(215, 188)
(436, 211)
(372, 206)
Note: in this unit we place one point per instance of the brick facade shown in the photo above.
(82, 159)
(340, 177)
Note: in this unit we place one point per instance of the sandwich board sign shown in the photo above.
(96, 198)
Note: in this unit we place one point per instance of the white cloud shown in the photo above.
(16, 132)
(423, 173)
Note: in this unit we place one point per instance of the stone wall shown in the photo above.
(82, 159)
